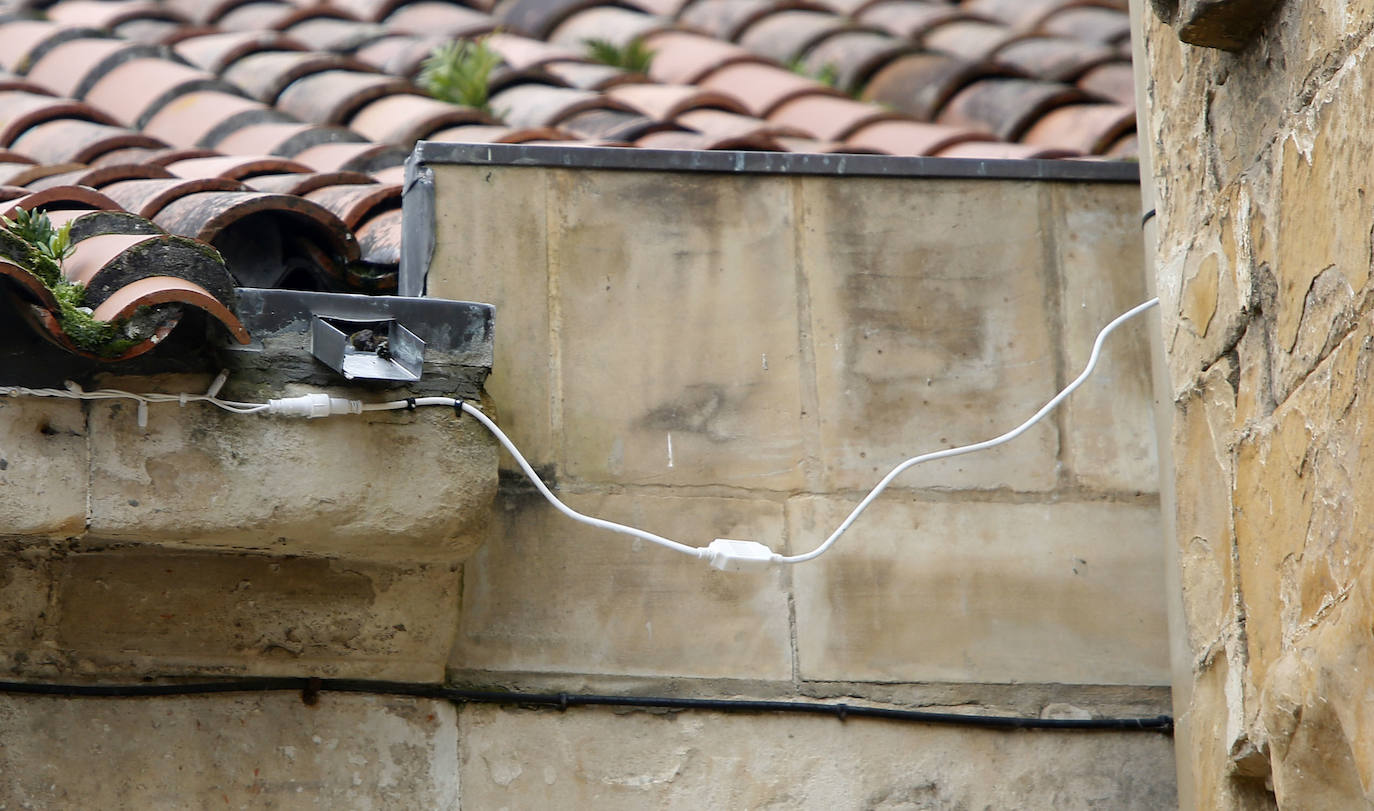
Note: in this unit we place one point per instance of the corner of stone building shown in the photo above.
(1264, 273)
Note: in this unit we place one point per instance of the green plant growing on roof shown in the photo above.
(634, 56)
(38, 247)
(458, 72)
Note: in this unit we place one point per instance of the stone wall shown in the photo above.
(739, 354)
(1262, 173)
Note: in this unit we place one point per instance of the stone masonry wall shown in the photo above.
(739, 355)
(1263, 176)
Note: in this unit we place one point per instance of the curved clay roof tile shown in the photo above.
(1054, 58)
(81, 141)
(215, 52)
(24, 42)
(233, 167)
(911, 20)
(753, 142)
(106, 14)
(585, 76)
(1006, 107)
(337, 35)
(355, 203)
(72, 68)
(762, 87)
(444, 19)
(20, 111)
(283, 139)
(618, 26)
(404, 119)
(666, 102)
(265, 74)
(206, 215)
(362, 157)
(1114, 81)
(302, 183)
(154, 290)
(136, 90)
(379, 239)
(535, 105)
(204, 117)
(911, 137)
(827, 118)
(333, 96)
(499, 135)
(147, 197)
(685, 58)
(786, 36)
(921, 84)
(1090, 128)
(853, 57)
(1001, 150)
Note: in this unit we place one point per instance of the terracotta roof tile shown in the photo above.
(827, 118)
(214, 52)
(63, 197)
(615, 126)
(586, 76)
(785, 36)
(669, 139)
(1006, 107)
(685, 58)
(500, 135)
(68, 139)
(355, 203)
(969, 39)
(233, 167)
(265, 74)
(404, 119)
(1090, 24)
(136, 90)
(538, 18)
(359, 157)
(333, 34)
(922, 84)
(762, 87)
(206, 117)
(282, 138)
(911, 137)
(523, 52)
(444, 19)
(1091, 128)
(853, 57)
(725, 19)
(534, 105)
(1054, 58)
(301, 183)
(732, 125)
(911, 19)
(20, 110)
(102, 14)
(332, 97)
(1114, 81)
(74, 66)
(149, 196)
(616, 25)
(154, 290)
(666, 101)
(1000, 150)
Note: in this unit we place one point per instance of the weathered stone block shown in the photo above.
(250, 751)
(44, 467)
(982, 592)
(379, 486)
(547, 594)
(161, 611)
(930, 329)
(594, 759)
(491, 245)
(1108, 425)
(694, 318)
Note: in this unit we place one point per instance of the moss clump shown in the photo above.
(458, 72)
(40, 249)
(634, 56)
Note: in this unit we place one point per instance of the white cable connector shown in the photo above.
(723, 553)
(313, 406)
(730, 555)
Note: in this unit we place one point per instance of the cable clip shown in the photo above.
(457, 407)
(410, 404)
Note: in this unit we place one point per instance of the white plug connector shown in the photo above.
(312, 406)
(738, 556)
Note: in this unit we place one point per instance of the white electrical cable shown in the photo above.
(723, 553)
(977, 446)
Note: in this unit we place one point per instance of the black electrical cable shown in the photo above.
(311, 688)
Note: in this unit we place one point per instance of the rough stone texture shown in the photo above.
(546, 594)
(395, 485)
(44, 466)
(605, 760)
(258, 751)
(795, 337)
(1261, 163)
(983, 592)
(912, 325)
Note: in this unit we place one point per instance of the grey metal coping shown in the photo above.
(787, 163)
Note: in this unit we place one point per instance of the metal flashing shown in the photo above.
(785, 163)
